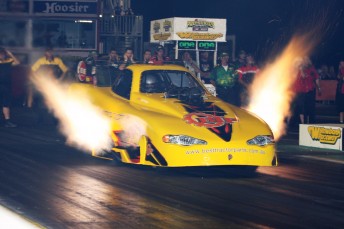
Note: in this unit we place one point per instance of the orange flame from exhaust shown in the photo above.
(81, 122)
(271, 93)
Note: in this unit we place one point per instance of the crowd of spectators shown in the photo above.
(230, 78)
(327, 72)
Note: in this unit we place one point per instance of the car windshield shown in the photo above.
(161, 81)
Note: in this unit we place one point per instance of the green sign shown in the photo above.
(186, 44)
(206, 45)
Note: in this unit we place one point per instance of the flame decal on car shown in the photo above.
(212, 117)
(207, 120)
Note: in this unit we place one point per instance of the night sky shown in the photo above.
(261, 26)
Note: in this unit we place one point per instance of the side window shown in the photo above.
(104, 76)
(122, 85)
(152, 82)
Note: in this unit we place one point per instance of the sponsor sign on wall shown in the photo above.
(200, 45)
(328, 136)
(65, 8)
(195, 29)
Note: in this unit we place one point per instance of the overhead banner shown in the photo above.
(188, 29)
(86, 8)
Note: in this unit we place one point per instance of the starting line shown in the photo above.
(327, 136)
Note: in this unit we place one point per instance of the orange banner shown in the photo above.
(328, 90)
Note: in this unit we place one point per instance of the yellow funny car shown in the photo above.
(175, 122)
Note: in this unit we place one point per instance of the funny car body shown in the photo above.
(162, 115)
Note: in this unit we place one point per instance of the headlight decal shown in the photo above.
(183, 140)
(261, 140)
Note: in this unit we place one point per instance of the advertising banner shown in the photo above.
(65, 8)
(328, 136)
(188, 29)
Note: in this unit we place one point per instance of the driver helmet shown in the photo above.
(151, 82)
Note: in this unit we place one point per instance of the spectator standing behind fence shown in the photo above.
(246, 76)
(190, 64)
(225, 79)
(340, 91)
(114, 59)
(159, 58)
(114, 62)
(48, 64)
(206, 65)
(307, 81)
(324, 73)
(87, 68)
(128, 58)
(241, 61)
(7, 59)
(147, 55)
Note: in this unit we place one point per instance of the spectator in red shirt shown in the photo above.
(306, 83)
(246, 76)
(159, 58)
